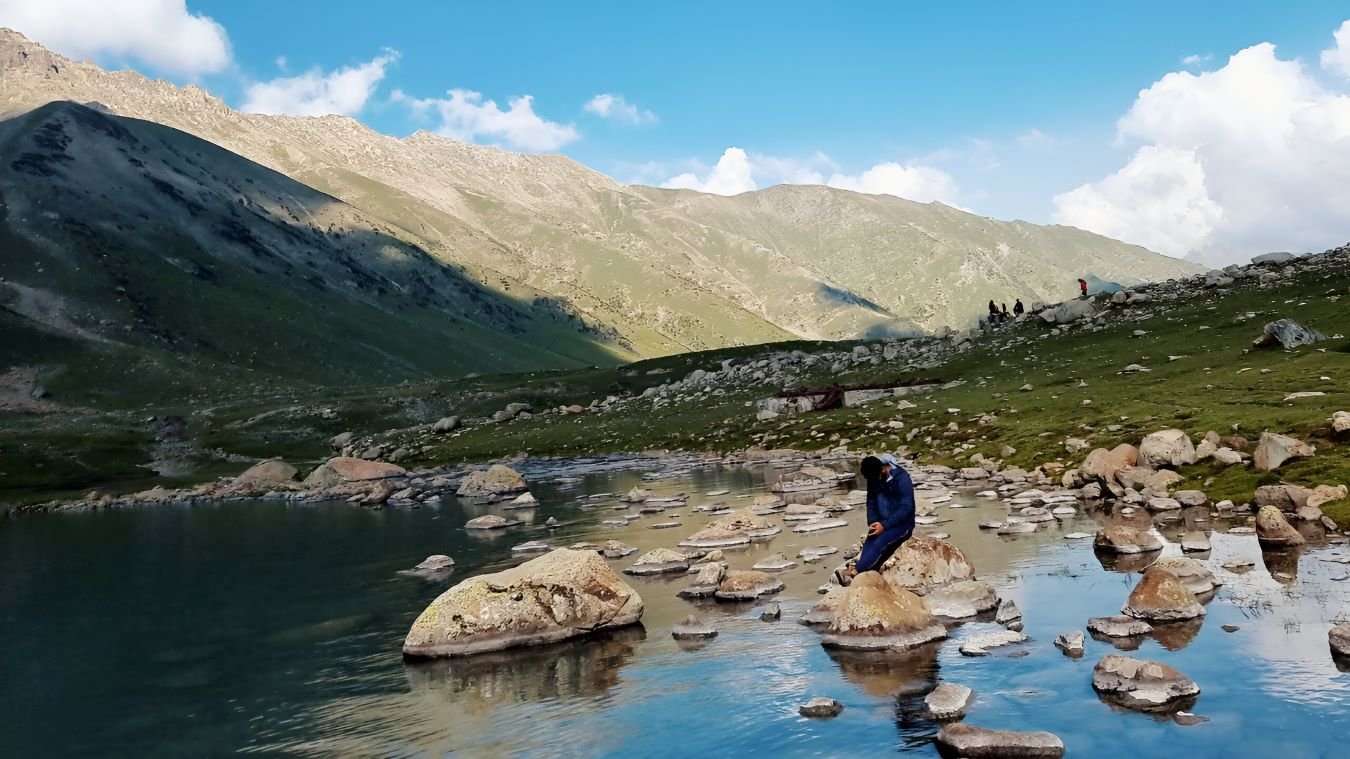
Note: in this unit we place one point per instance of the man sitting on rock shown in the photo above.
(890, 515)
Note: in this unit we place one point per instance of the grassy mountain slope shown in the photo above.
(667, 271)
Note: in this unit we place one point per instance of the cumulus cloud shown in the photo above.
(465, 116)
(617, 108)
(738, 171)
(160, 33)
(1248, 158)
(344, 91)
(1196, 59)
(1336, 59)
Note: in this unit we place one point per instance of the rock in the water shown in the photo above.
(560, 595)
(1195, 542)
(747, 585)
(736, 528)
(1166, 448)
(1142, 685)
(823, 612)
(816, 553)
(435, 562)
(693, 628)
(1194, 575)
(923, 563)
(874, 615)
(1119, 626)
(523, 501)
(960, 600)
(978, 644)
(1161, 597)
(490, 522)
(816, 525)
(659, 561)
(1071, 643)
(496, 480)
(1121, 538)
(1274, 531)
(820, 708)
(772, 613)
(1008, 613)
(774, 563)
(948, 701)
(705, 582)
(342, 469)
(970, 742)
(264, 475)
(1339, 637)
(613, 549)
(533, 546)
(1287, 333)
(1275, 449)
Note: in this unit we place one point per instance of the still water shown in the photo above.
(273, 628)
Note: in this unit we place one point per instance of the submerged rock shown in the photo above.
(494, 481)
(1122, 538)
(1142, 685)
(971, 742)
(736, 528)
(874, 615)
(820, 708)
(747, 585)
(948, 701)
(1161, 597)
(490, 522)
(560, 595)
(659, 561)
(1274, 531)
(693, 628)
(961, 600)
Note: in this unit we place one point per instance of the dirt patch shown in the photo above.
(21, 391)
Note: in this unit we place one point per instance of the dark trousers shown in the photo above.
(878, 548)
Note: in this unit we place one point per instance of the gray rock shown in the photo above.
(1195, 542)
(490, 522)
(1119, 626)
(659, 561)
(1287, 333)
(961, 600)
(1142, 685)
(948, 701)
(971, 742)
(434, 563)
(820, 708)
(1008, 613)
(978, 644)
(693, 628)
(1339, 637)
(774, 563)
(772, 613)
(1071, 643)
(446, 424)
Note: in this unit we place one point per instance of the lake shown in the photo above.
(272, 627)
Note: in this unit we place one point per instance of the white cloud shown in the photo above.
(731, 176)
(314, 93)
(1337, 58)
(918, 183)
(467, 117)
(1196, 59)
(617, 108)
(161, 33)
(1036, 139)
(738, 171)
(1248, 158)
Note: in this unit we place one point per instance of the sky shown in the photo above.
(1213, 132)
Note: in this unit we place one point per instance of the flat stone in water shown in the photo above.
(971, 742)
(1242, 531)
(533, 546)
(816, 525)
(948, 701)
(1078, 536)
(816, 553)
(693, 628)
(1187, 719)
(774, 563)
(1119, 626)
(1238, 565)
(663, 525)
(1230, 628)
(979, 644)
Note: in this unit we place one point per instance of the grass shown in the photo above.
(1214, 383)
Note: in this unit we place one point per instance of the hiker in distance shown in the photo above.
(993, 312)
(890, 515)
(1018, 308)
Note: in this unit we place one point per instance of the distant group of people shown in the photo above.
(999, 315)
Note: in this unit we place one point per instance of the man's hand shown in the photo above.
(874, 529)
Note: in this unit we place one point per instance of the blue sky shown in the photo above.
(1001, 108)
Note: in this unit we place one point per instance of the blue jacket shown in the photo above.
(892, 501)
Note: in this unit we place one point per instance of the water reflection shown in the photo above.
(1127, 563)
(1175, 636)
(890, 674)
(1283, 563)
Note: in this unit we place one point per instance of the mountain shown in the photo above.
(644, 271)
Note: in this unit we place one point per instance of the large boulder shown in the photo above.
(1287, 333)
(1194, 575)
(874, 615)
(970, 742)
(1274, 531)
(1069, 311)
(344, 469)
(1339, 638)
(1284, 497)
(1102, 465)
(1324, 494)
(1166, 448)
(1161, 597)
(445, 425)
(496, 480)
(736, 528)
(560, 595)
(1275, 449)
(1142, 685)
(265, 475)
(924, 563)
(961, 600)
(1124, 538)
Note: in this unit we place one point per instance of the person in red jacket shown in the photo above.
(1082, 286)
